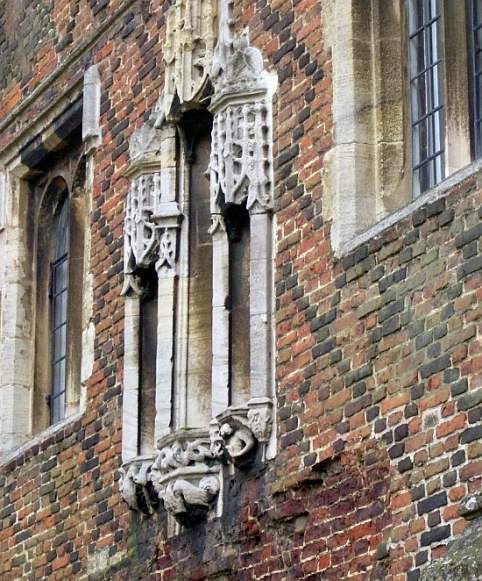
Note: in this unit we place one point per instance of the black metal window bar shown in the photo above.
(59, 315)
(426, 94)
(475, 11)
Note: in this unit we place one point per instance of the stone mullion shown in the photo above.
(220, 394)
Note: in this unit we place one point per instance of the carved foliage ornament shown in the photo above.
(188, 50)
(240, 168)
(182, 453)
(148, 237)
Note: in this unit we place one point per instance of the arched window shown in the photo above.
(59, 301)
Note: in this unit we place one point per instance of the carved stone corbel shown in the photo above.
(231, 437)
(186, 476)
(188, 503)
(135, 485)
(260, 418)
(237, 432)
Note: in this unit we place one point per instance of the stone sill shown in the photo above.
(39, 440)
(441, 190)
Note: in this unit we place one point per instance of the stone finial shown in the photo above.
(91, 132)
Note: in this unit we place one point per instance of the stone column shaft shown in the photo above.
(130, 405)
(165, 355)
(260, 306)
(220, 395)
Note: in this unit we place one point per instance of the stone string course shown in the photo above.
(378, 354)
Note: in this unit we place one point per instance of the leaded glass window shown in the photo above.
(59, 314)
(426, 94)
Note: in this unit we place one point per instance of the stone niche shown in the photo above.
(214, 397)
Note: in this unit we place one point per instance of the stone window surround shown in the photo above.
(367, 173)
(441, 190)
(13, 172)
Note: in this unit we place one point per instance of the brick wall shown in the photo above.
(378, 354)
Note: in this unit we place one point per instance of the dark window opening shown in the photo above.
(148, 352)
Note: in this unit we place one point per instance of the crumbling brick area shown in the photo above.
(378, 354)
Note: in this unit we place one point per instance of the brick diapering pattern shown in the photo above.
(378, 354)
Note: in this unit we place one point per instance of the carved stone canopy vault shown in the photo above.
(188, 51)
(241, 168)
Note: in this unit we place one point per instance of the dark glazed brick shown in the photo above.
(458, 458)
(405, 464)
(417, 391)
(417, 492)
(401, 432)
(435, 366)
(432, 502)
(469, 400)
(380, 425)
(435, 535)
(459, 387)
(434, 519)
(471, 434)
(396, 451)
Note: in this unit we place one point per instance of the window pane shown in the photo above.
(60, 342)
(58, 407)
(60, 309)
(60, 276)
(59, 377)
(426, 96)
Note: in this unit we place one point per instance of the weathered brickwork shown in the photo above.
(378, 354)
